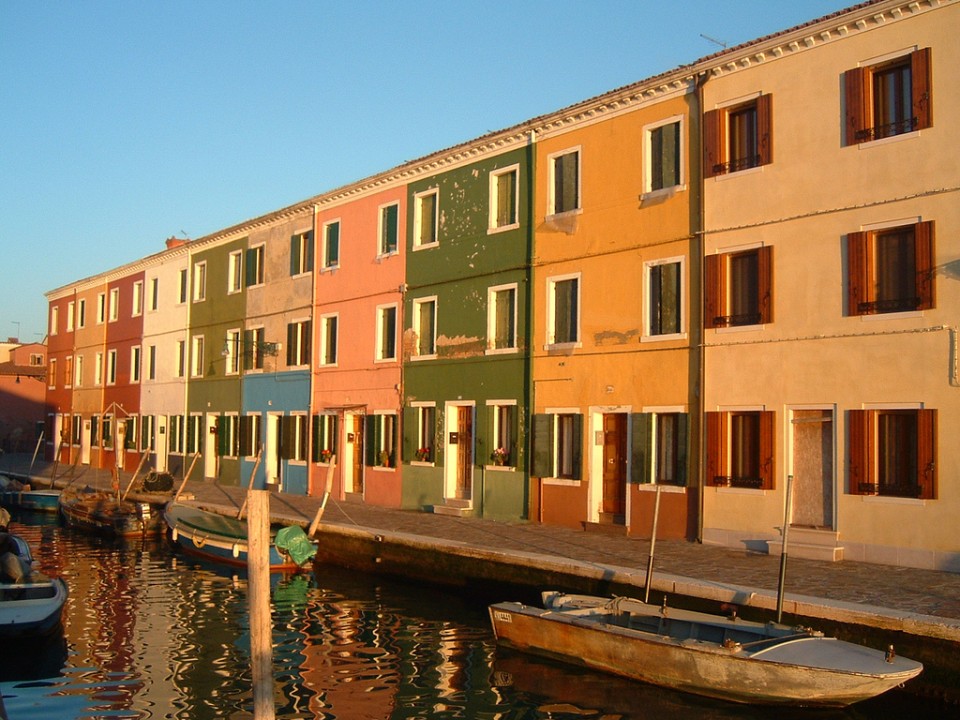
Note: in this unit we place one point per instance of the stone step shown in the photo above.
(455, 508)
(807, 551)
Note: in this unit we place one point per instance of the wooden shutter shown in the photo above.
(370, 444)
(291, 343)
(921, 71)
(713, 281)
(308, 251)
(858, 273)
(765, 283)
(542, 461)
(222, 436)
(250, 269)
(925, 267)
(286, 436)
(768, 465)
(927, 453)
(683, 440)
(765, 129)
(858, 446)
(315, 438)
(855, 82)
(577, 450)
(294, 255)
(641, 455)
(712, 143)
(716, 446)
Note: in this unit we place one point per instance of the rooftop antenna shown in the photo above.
(714, 41)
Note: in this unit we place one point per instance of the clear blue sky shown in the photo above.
(125, 122)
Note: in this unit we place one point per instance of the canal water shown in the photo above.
(151, 633)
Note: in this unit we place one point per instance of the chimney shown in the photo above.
(174, 241)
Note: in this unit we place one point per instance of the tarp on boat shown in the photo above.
(294, 541)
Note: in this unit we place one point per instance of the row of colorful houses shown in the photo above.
(732, 282)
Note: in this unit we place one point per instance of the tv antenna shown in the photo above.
(714, 41)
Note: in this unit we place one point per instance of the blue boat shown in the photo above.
(32, 500)
(30, 602)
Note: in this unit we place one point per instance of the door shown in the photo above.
(464, 453)
(355, 450)
(161, 461)
(614, 468)
(813, 468)
(85, 439)
(272, 460)
(210, 456)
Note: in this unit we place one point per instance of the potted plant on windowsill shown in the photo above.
(500, 456)
(325, 455)
(423, 454)
(384, 459)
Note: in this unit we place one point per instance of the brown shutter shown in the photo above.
(857, 271)
(713, 290)
(921, 76)
(712, 142)
(765, 129)
(927, 453)
(765, 283)
(855, 83)
(716, 446)
(767, 449)
(926, 272)
(858, 449)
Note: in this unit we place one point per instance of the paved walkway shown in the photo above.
(922, 602)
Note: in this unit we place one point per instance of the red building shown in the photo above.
(23, 391)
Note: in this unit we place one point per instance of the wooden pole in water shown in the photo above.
(653, 542)
(783, 550)
(143, 459)
(258, 588)
(326, 495)
(185, 478)
(250, 486)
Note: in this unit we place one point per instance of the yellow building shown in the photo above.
(614, 261)
(831, 294)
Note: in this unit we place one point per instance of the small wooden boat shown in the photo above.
(223, 538)
(700, 653)
(31, 603)
(102, 512)
(17, 495)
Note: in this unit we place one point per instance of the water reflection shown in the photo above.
(152, 634)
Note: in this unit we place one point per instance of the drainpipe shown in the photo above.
(313, 349)
(530, 385)
(701, 80)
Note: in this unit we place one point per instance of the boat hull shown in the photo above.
(769, 677)
(99, 513)
(31, 500)
(217, 538)
(31, 609)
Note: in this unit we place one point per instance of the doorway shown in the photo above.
(813, 468)
(272, 457)
(353, 446)
(210, 446)
(614, 503)
(161, 449)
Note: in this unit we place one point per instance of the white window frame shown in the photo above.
(494, 208)
(196, 356)
(300, 441)
(260, 275)
(324, 264)
(199, 283)
(78, 371)
(381, 348)
(551, 340)
(492, 293)
(137, 303)
(235, 272)
(418, 198)
(551, 185)
(71, 315)
(648, 336)
(154, 294)
(303, 242)
(81, 313)
(183, 289)
(54, 319)
(326, 322)
(101, 308)
(136, 358)
(416, 327)
(52, 380)
(648, 131)
(381, 211)
(112, 366)
(114, 304)
(231, 351)
(98, 369)
(426, 437)
(152, 362)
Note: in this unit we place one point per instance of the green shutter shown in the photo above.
(577, 446)
(370, 440)
(388, 242)
(315, 438)
(295, 255)
(542, 461)
(641, 457)
(683, 441)
(308, 249)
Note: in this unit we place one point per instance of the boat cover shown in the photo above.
(294, 541)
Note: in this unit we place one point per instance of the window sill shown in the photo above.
(502, 228)
(738, 173)
(426, 246)
(562, 346)
(387, 255)
(892, 500)
(501, 351)
(385, 361)
(422, 463)
(652, 487)
(875, 317)
(739, 329)
(380, 468)
(663, 338)
(740, 491)
(561, 482)
(662, 193)
(500, 468)
(329, 268)
(417, 358)
(887, 140)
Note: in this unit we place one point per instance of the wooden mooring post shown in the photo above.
(258, 590)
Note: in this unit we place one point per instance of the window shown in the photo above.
(664, 287)
(301, 253)
(738, 137)
(381, 440)
(250, 442)
(183, 284)
(55, 319)
(147, 433)
(426, 205)
(254, 269)
(740, 449)
(101, 308)
(739, 289)
(98, 369)
(389, 231)
(181, 358)
(114, 304)
(564, 171)
(425, 326)
(662, 166)
(231, 352)
(200, 282)
(889, 98)
(228, 435)
(503, 433)
(298, 343)
(78, 371)
(557, 439)
(135, 354)
(194, 434)
(563, 310)
(106, 429)
(331, 244)
(137, 308)
(387, 332)
(426, 419)
(68, 371)
(154, 293)
(82, 314)
(893, 452)
(130, 426)
(196, 355)
(328, 339)
(324, 436)
(504, 191)
(659, 448)
(891, 270)
(235, 272)
(253, 349)
(152, 362)
(293, 438)
(502, 318)
(71, 315)
(52, 373)
(176, 434)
